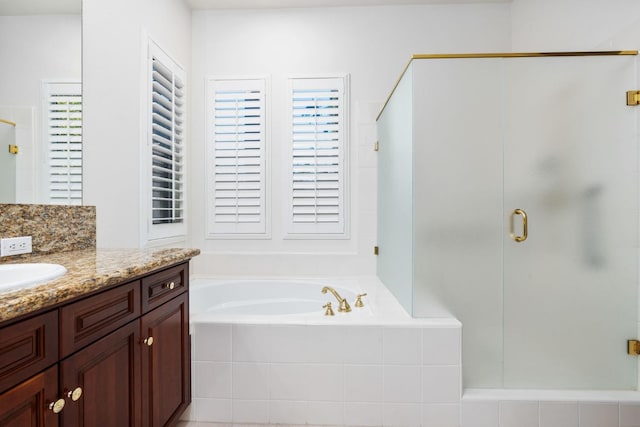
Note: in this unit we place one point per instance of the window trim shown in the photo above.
(210, 233)
(289, 232)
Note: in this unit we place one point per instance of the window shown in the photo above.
(166, 140)
(63, 142)
(318, 135)
(236, 157)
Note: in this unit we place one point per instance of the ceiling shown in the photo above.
(273, 4)
(64, 7)
(40, 7)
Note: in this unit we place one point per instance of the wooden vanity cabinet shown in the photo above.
(166, 364)
(108, 373)
(26, 405)
(119, 360)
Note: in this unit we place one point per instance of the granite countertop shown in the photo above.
(87, 271)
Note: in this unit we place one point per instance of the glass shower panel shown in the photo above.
(7, 164)
(570, 288)
(395, 207)
(458, 205)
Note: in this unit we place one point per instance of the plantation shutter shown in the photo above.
(318, 139)
(164, 166)
(167, 143)
(236, 166)
(63, 118)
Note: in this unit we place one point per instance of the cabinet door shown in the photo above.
(28, 347)
(166, 363)
(108, 372)
(27, 405)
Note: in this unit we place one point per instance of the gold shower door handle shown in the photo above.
(525, 230)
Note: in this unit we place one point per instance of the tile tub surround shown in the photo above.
(354, 375)
(49, 226)
(87, 271)
(368, 375)
(550, 408)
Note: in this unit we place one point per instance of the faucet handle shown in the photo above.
(329, 310)
(359, 302)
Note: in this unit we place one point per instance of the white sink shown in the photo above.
(20, 276)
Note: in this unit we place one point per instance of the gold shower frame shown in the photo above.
(499, 55)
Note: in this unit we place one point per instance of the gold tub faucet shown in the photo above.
(344, 305)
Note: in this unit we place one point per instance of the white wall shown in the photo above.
(33, 49)
(575, 25)
(372, 44)
(114, 55)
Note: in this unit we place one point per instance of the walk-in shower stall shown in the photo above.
(508, 198)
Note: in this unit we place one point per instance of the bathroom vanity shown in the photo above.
(106, 345)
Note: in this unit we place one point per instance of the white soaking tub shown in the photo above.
(265, 353)
(270, 297)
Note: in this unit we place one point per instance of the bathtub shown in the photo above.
(267, 299)
(293, 301)
(264, 352)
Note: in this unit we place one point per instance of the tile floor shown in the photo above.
(201, 424)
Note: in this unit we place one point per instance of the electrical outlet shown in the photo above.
(15, 246)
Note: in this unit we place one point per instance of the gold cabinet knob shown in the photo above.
(75, 394)
(169, 285)
(148, 341)
(57, 406)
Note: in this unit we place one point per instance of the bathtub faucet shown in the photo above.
(344, 305)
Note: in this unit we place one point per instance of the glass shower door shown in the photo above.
(7, 163)
(570, 166)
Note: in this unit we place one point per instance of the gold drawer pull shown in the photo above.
(57, 406)
(148, 341)
(75, 394)
(169, 285)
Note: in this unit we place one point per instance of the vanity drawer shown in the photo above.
(87, 320)
(164, 285)
(28, 347)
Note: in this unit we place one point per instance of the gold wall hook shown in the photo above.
(359, 302)
(329, 310)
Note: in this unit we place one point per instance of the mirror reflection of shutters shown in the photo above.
(237, 157)
(64, 142)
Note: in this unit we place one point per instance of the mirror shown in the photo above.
(40, 88)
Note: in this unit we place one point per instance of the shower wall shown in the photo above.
(395, 182)
(551, 136)
(458, 206)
